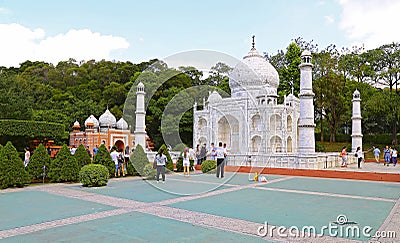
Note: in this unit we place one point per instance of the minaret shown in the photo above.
(306, 123)
(140, 128)
(356, 135)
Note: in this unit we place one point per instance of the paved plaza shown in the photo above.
(201, 208)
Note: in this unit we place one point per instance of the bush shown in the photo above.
(170, 163)
(103, 158)
(149, 172)
(94, 175)
(64, 167)
(82, 156)
(31, 129)
(12, 171)
(179, 164)
(319, 147)
(139, 160)
(208, 166)
(39, 158)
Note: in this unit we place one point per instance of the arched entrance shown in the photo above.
(120, 145)
(228, 132)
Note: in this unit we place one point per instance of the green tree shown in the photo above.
(82, 156)
(38, 160)
(139, 160)
(12, 171)
(103, 157)
(64, 167)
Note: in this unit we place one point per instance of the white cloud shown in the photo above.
(371, 22)
(329, 19)
(19, 43)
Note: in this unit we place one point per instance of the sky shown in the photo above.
(137, 31)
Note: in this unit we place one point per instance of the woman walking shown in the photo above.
(360, 156)
(343, 154)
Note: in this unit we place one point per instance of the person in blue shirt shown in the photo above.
(377, 152)
(386, 155)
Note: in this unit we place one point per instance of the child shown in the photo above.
(186, 162)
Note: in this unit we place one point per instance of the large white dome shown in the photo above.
(253, 73)
(93, 120)
(122, 124)
(107, 119)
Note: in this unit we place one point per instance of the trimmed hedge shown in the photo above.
(208, 166)
(82, 156)
(31, 129)
(94, 175)
(64, 167)
(39, 158)
(103, 158)
(12, 171)
(149, 172)
(138, 161)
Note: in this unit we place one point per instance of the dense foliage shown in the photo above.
(103, 158)
(82, 156)
(39, 159)
(64, 168)
(139, 160)
(208, 166)
(149, 172)
(12, 171)
(94, 175)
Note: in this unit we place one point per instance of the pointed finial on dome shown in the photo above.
(254, 42)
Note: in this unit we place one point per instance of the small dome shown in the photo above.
(306, 53)
(122, 124)
(76, 125)
(91, 121)
(214, 97)
(107, 119)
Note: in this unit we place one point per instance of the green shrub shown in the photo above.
(94, 175)
(82, 156)
(31, 129)
(319, 147)
(170, 163)
(12, 171)
(39, 158)
(179, 164)
(103, 158)
(139, 160)
(208, 166)
(64, 167)
(149, 172)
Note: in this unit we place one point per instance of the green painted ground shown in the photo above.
(133, 227)
(33, 207)
(289, 209)
(338, 186)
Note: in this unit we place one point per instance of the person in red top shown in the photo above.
(343, 154)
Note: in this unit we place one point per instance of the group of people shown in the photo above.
(389, 155)
(121, 160)
(358, 154)
(219, 154)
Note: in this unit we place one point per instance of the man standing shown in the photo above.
(95, 149)
(220, 160)
(114, 155)
(377, 152)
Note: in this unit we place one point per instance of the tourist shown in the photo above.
(343, 154)
(386, 156)
(95, 149)
(127, 154)
(360, 156)
(121, 163)
(213, 152)
(203, 153)
(27, 156)
(161, 161)
(186, 163)
(88, 151)
(220, 161)
(73, 150)
(394, 156)
(377, 152)
(114, 156)
(197, 154)
(226, 154)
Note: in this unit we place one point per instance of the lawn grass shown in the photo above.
(337, 147)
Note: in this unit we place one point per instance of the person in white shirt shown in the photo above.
(114, 155)
(27, 156)
(360, 156)
(186, 163)
(394, 156)
(161, 161)
(220, 160)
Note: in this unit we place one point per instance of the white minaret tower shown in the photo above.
(140, 128)
(306, 123)
(356, 135)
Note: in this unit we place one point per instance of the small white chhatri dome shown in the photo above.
(214, 97)
(122, 124)
(107, 119)
(253, 73)
(76, 124)
(93, 120)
